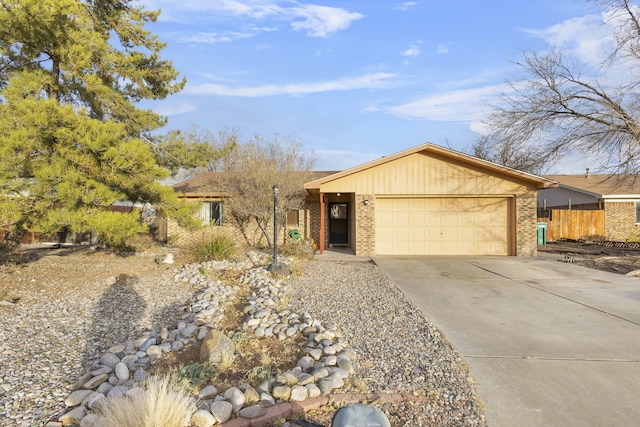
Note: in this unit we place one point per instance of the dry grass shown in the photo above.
(11, 296)
(143, 243)
(162, 404)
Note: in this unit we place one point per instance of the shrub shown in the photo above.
(212, 246)
(162, 404)
(115, 229)
(194, 375)
(302, 249)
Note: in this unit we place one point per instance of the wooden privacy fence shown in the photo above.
(575, 224)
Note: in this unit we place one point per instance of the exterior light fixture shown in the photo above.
(366, 203)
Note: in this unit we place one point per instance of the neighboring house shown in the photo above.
(205, 189)
(427, 200)
(616, 197)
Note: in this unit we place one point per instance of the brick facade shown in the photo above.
(526, 218)
(620, 221)
(365, 225)
(181, 237)
(249, 233)
(308, 220)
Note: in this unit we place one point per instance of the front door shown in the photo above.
(338, 224)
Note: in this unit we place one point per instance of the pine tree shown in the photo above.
(71, 74)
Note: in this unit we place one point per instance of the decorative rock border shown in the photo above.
(121, 370)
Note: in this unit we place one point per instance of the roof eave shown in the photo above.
(621, 196)
(540, 181)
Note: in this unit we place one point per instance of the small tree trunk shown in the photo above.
(263, 229)
(13, 237)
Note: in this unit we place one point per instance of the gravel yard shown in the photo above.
(397, 348)
(66, 314)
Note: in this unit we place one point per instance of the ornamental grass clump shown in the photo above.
(163, 403)
(212, 246)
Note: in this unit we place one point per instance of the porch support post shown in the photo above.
(321, 242)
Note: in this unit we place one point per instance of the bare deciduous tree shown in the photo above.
(517, 154)
(564, 106)
(253, 168)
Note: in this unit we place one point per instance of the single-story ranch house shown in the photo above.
(617, 197)
(427, 200)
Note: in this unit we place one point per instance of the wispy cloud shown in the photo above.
(315, 20)
(406, 5)
(442, 49)
(413, 50)
(211, 38)
(464, 105)
(585, 37)
(368, 81)
(173, 109)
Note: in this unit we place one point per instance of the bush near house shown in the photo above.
(214, 244)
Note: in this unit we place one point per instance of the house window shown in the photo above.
(292, 219)
(637, 212)
(211, 213)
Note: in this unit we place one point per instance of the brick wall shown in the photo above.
(526, 218)
(620, 221)
(249, 233)
(181, 237)
(365, 235)
(310, 220)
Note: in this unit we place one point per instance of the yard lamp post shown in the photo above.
(277, 267)
(275, 223)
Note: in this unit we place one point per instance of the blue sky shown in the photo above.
(357, 80)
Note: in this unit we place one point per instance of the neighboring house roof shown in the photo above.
(204, 185)
(603, 186)
(208, 184)
(541, 182)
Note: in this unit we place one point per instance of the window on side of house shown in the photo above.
(637, 212)
(292, 219)
(211, 213)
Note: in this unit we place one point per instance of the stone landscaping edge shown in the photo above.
(287, 409)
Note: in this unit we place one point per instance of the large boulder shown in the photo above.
(216, 348)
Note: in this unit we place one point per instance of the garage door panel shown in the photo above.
(442, 226)
(401, 233)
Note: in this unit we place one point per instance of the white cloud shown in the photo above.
(465, 105)
(173, 109)
(215, 77)
(367, 81)
(414, 50)
(585, 37)
(480, 128)
(441, 49)
(315, 20)
(406, 5)
(212, 38)
(320, 21)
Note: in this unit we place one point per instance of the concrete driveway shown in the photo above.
(548, 343)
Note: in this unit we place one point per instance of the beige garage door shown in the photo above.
(442, 226)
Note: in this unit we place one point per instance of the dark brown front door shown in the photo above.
(338, 223)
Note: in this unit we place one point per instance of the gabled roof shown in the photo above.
(209, 184)
(601, 185)
(541, 182)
